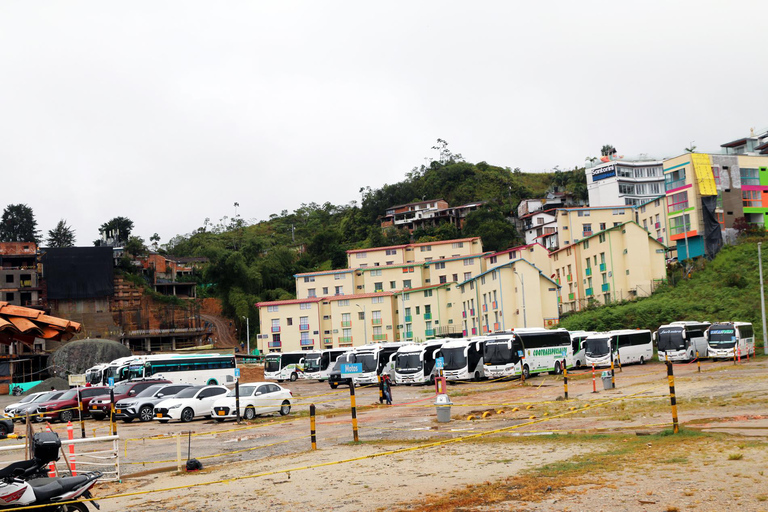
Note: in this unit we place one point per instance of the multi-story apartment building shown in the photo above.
(534, 253)
(574, 224)
(427, 312)
(19, 284)
(706, 193)
(324, 284)
(539, 226)
(627, 182)
(413, 253)
(427, 213)
(619, 263)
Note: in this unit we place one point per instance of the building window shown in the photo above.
(457, 245)
(749, 177)
(427, 293)
(271, 309)
(677, 202)
(378, 287)
(426, 248)
(455, 278)
(339, 276)
(377, 300)
(674, 179)
(289, 321)
(406, 283)
(343, 303)
(392, 285)
(311, 292)
(467, 276)
(408, 270)
(391, 252)
(469, 261)
(325, 290)
(443, 279)
(751, 198)
(304, 305)
(339, 290)
(375, 273)
(493, 259)
(680, 224)
(361, 255)
(439, 265)
(406, 296)
(361, 315)
(583, 213)
(309, 279)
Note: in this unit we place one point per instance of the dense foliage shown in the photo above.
(18, 224)
(61, 236)
(724, 289)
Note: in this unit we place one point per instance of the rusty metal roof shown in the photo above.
(25, 324)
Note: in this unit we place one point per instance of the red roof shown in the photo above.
(25, 324)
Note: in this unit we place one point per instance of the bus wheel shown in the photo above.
(526, 371)
(476, 378)
(294, 377)
(558, 370)
(578, 364)
(642, 360)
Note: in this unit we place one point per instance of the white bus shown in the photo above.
(679, 341)
(632, 346)
(527, 351)
(282, 366)
(725, 337)
(415, 363)
(463, 359)
(377, 359)
(195, 369)
(318, 365)
(99, 374)
(577, 346)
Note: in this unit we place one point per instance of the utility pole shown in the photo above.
(522, 283)
(247, 335)
(762, 296)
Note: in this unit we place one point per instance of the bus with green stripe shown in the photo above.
(527, 351)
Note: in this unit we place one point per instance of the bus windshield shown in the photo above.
(498, 352)
(454, 358)
(369, 362)
(312, 363)
(722, 336)
(671, 339)
(136, 371)
(272, 364)
(408, 362)
(597, 347)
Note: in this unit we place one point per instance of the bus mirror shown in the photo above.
(685, 335)
(706, 335)
(656, 336)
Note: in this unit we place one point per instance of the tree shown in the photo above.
(116, 232)
(18, 224)
(691, 149)
(135, 246)
(61, 236)
(608, 150)
(155, 239)
(491, 225)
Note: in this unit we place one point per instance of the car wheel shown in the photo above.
(146, 413)
(65, 416)
(187, 415)
(333, 385)
(3, 430)
(249, 413)
(294, 376)
(163, 421)
(285, 408)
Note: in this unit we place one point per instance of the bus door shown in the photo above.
(518, 354)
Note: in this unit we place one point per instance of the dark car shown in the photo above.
(64, 408)
(142, 406)
(99, 406)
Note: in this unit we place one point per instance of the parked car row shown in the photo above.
(161, 400)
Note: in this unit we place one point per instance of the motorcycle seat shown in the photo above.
(23, 465)
(56, 486)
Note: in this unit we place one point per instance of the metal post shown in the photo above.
(178, 452)
(522, 288)
(762, 298)
(312, 426)
(80, 413)
(672, 399)
(618, 360)
(698, 361)
(381, 389)
(237, 399)
(565, 380)
(248, 335)
(594, 385)
(112, 420)
(613, 374)
(354, 409)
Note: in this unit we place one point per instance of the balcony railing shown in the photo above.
(275, 329)
(495, 305)
(588, 271)
(589, 292)
(485, 329)
(408, 318)
(306, 343)
(463, 314)
(379, 337)
(427, 316)
(606, 287)
(587, 233)
(328, 341)
(497, 326)
(571, 296)
(274, 344)
(602, 267)
(376, 321)
(485, 308)
(345, 339)
(429, 332)
(409, 335)
(304, 327)
(474, 331)
(464, 332)
(346, 323)
(472, 311)
(569, 278)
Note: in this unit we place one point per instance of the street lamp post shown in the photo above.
(522, 284)
(247, 335)
(365, 326)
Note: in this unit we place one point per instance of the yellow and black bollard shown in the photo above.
(354, 409)
(613, 374)
(112, 420)
(381, 389)
(618, 360)
(312, 426)
(565, 379)
(698, 361)
(81, 412)
(672, 399)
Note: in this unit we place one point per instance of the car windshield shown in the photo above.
(151, 390)
(272, 364)
(122, 389)
(408, 361)
(498, 352)
(187, 393)
(46, 396)
(597, 347)
(67, 395)
(454, 358)
(671, 339)
(369, 362)
(722, 336)
(28, 398)
(244, 391)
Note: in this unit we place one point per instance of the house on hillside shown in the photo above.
(429, 213)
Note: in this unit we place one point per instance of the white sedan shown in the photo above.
(189, 403)
(255, 398)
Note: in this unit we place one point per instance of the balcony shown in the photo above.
(408, 318)
(274, 344)
(557, 280)
(571, 296)
(472, 312)
(606, 287)
(474, 331)
(427, 316)
(429, 332)
(587, 233)
(409, 335)
(497, 326)
(375, 321)
(485, 329)
(588, 271)
(463, 314)
(569, 278)
(304, 327)
(379, 337)
(485, 308)
(345, 339)
(495, 305)
(346, 323)
(464, 333)
(275, 328)
(602, 267)
(306, 343)
(328, 342)
(657, 225)
(589, 292)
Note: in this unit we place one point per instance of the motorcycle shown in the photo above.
(25, 482)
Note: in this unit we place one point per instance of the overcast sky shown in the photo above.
(170, 112)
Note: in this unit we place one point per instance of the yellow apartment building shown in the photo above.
(534, 253)
(652, 216)
(324, 284)
(516, 294)
(288, 325)
(359, 319)
(574, 224)
(413, 253)
(621, 263)
(453, 270)
(389, 278)
(427, 312)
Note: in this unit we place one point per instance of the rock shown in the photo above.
(77, 356)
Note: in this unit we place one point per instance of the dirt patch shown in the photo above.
(48, 384)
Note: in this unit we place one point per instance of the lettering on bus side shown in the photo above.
(548, 351)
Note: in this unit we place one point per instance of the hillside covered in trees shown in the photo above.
(252, 263)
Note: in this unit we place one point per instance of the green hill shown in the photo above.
(724, 289)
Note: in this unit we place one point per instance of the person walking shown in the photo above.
(386, 389)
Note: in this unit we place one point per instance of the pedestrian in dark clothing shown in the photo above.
(386, 388)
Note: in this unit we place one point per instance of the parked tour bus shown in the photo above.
(726, 337)
(377, 359)
(680, 341)
(195, 369)
(527, 351)
(463, 359)
(415, 363)
(631, 346)
(100, 374)
(577, 346)
(282, 366)
(318, 365)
